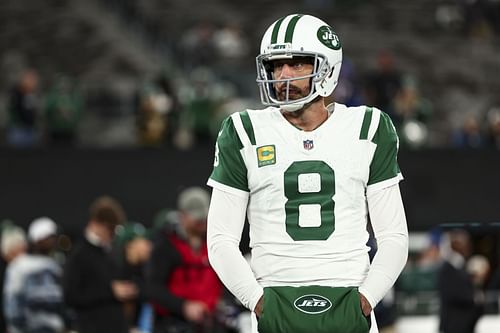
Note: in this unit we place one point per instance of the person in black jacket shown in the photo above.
(460, 304)
(23, 107)
(89, 283)
(132, 247)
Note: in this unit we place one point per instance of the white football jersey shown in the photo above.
(307, 205)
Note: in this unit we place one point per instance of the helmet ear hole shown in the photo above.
(268, 66)
(331, 72)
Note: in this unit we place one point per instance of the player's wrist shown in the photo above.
(369, 297)
(365, 305)
(259, 307)
(256, 296)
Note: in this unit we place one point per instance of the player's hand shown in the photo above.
(124, 290)
(258, 308)
(194, 311)
(365, 305)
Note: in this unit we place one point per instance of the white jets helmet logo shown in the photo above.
(328, 37)
(312, 304)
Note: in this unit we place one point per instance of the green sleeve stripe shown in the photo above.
(229, 166)
(276, 29)
(363, 135)
(247, 125)
(231, 135)
(291, 28)
(384, 164)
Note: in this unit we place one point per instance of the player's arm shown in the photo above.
(226, 216)
(387, 215)
(389, 225)
(226, 219)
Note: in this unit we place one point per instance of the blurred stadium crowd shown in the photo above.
(117, 276)
(127, 73)
(123, 276)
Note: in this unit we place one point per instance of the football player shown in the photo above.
(306, 175)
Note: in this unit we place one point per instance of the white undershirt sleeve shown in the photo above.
(388, 220)
(226, 219)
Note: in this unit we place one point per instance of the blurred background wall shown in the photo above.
(440, 186)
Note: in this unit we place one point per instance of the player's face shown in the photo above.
(289, 69)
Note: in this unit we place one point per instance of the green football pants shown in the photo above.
(311, 309)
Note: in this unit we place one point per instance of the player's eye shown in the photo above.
(298, 66)
(278, 66)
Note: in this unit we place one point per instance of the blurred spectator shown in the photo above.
(493, 130)
(420, 276)
(474, 18)
(13, 243)
(157, 112)
(411, 114)
(23, 110)
(494, 283)
(469, 135)
(231, 59)
(63, 109)
(151, 116)
(449, 15)
(347, 91)
(479, 268)
(493, 288)
(198, 46)
(460, 304)
(90, 283)
(133, 241)
(183, 287)
(165, 85)
(165, 218)
(384, 83)
(33, 293)
(430, 258)
(409, 104)
(201, 100)
(481, 18)
(230, 43)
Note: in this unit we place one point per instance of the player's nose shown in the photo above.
(286, 72)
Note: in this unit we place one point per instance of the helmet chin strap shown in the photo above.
(292, 107)
(299, 106)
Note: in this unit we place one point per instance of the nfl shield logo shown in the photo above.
(308, 144)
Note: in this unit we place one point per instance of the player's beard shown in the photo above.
(294, 92)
